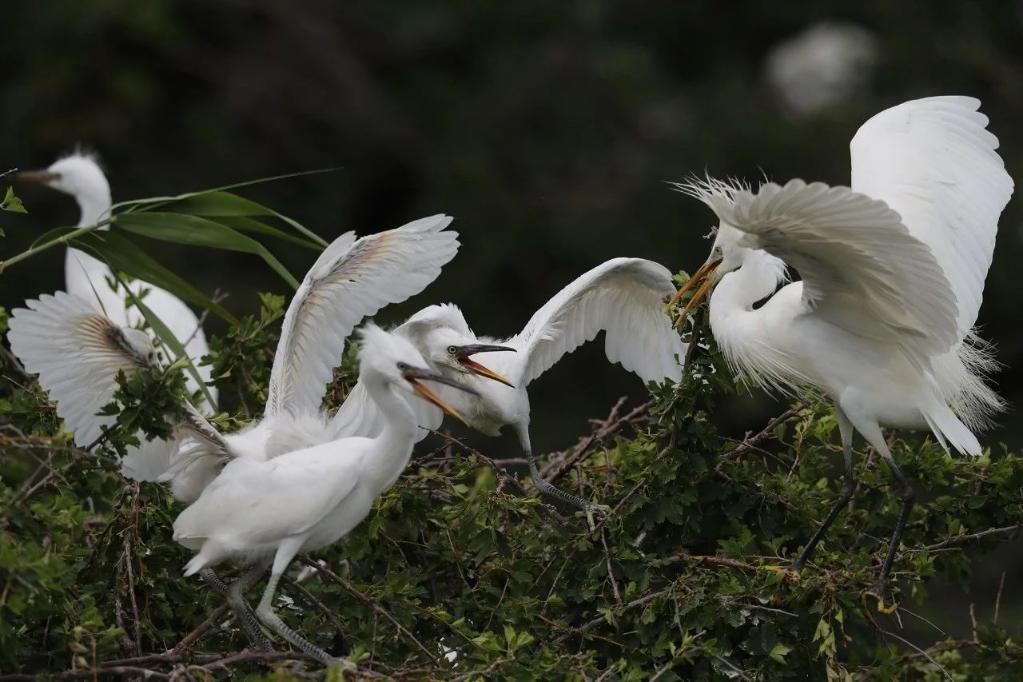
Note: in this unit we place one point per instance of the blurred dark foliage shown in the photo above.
(547, 129)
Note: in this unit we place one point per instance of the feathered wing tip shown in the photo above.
(718, 195)
(962, 376)
(149, 461)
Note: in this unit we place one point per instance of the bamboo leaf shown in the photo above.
(122, 255)
(197, 231)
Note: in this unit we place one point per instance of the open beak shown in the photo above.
(704, 277)
(463, 355)
(38, 177)
(413, 375)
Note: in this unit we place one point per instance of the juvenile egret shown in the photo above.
(89, 278)
(310, 498)
(623, 297)
(352, 279)
(892, 274)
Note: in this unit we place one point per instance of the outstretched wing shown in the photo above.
(934, 162)
(624, 298)
(77, 353)
(861, 268)
(351, 279)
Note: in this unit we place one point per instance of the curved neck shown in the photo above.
(394, 444)
(757, 278)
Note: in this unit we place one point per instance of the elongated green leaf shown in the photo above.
(122, 255)
(197, 231)
(170, 341)
(246, 224)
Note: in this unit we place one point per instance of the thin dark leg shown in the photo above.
(848, 488)
(242, 611)
(908, 498)
(547, 488)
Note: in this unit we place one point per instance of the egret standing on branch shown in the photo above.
(892, 274)
(311, 498)
(623, 297)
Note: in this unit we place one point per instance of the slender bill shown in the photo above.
(707, 275)
(463, 355)
(413, 375)
(38, 177)
(697, 277)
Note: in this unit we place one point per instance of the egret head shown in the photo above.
(444, 337)
(80, 176)
(396, 362)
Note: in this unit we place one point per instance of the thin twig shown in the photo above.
(559, 466)
(369, 601)
(963, 539)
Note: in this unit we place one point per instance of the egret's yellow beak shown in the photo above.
(704, 277)
(414, 374)
(463, 355)
(38, 177)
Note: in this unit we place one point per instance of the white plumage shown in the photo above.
(623, 297)
(892, 278)
(309, 498)
(352, 279)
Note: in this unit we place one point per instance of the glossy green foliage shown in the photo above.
(462, 571)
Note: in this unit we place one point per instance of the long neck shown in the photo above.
(94, 205)
(394, 444)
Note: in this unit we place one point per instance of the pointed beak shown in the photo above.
(37, 177)
(704, 277)
(463, 355)
(414, 375)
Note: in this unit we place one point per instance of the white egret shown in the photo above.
(352, 279)
(892, 274)
(91, 279)
(310, 498)
(623, 297)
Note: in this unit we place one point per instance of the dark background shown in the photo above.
(547, 129)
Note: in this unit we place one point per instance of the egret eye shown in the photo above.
(452, 350)
(402, 366)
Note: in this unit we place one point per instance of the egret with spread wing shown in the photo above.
(623, 297)
(892, 271)
(260, 511)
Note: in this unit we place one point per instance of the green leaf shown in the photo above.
(12, 203)
(246, 224)
(124, 256)
(779, 651)
(165, 335)
(196, 231)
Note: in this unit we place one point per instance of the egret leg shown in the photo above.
(845, 428)
(908, 498)
(266, 614)
(240, 607)
(872, 432)
(547, 488)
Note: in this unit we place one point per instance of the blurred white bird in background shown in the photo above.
(260, 511)
(623, 297)
(90, 278)
(824, 66)
(892, 271)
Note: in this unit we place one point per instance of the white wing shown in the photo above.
(360, 416)
(348, 282)
(861, 268)
(624, 298)
(77, 352)
(933, 161)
